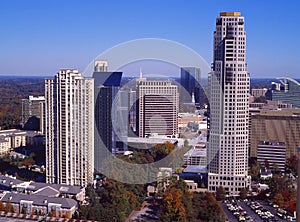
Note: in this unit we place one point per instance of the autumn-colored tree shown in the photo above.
(279, 199)
(286, 195)
(292, 163)
(172, 208)
(160, 151)
(2, 208)
(28, 162)
(8, 206)
(292, 206)
(68, 215)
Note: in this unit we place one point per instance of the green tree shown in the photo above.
(255, 170)
(220, 193)
(205, 208)
(243, 193)
(23, 211)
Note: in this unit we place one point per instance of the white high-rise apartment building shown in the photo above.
(157, 108)
(229, 107)
(69, 128)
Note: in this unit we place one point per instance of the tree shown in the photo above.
(172, 208)
(279, 199)
(275, 167)
(254, 170)
(261, 99)
(8, 206)
(28, 162)
(68, 215)
(220, 193)
(205, 208)
(243, 193)
(292, 206)
(292, 163)
(23, 211)
(2, 208)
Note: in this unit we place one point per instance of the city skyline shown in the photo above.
(39, 38)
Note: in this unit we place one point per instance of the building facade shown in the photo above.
(33, 113)
(229, 91)
(69, 128)
(271, 153)
(190, 82)
(157, 108)
(259, 92)
(282, 125)
(107, 85)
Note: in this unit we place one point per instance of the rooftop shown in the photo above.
(195, 169)
(62, 188)
(196, 152)
(230, 14)
(39, 200)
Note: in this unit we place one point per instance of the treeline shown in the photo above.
(12, 91)
(113, 201)
(179, 204)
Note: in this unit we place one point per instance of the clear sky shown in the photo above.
(40, 37)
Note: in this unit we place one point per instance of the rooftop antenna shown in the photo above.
(141, 74)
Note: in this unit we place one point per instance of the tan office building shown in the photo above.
(276, 125)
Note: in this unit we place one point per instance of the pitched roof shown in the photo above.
(39, 200)
(8, 181)
(62, 188)
(47, 191)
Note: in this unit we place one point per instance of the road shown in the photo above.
(147, 213)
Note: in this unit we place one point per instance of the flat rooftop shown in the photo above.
(230, 14)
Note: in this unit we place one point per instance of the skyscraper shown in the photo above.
(69, 128)
(190, 81)
(157, 107)
(33, 113)
(106, 87)
(229, 107)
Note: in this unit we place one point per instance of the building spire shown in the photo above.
(141, 74)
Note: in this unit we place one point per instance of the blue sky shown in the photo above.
(40, 37)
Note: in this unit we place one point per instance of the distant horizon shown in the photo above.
(40, 76)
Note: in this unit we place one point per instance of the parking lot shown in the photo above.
(257, 211)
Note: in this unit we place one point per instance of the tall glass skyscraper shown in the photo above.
(229, 107)
(190, 81)
(106, 88)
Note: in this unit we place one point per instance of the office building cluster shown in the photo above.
(85, 119)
